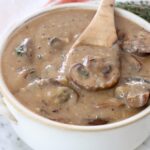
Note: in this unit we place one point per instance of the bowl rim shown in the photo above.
(9, 98)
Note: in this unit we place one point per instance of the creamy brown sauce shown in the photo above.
(33, 58)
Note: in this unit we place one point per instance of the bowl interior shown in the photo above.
(26, 112)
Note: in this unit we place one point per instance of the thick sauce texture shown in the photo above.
(34, 55)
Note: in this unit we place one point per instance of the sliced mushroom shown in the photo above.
(63, 94)
(36, 84)
(113, 103)
(81, 71)
(130, 63)
(134, 94)
(28, 73)
(95, 74)
(138, 44)
(135, 100)
(44, 82)
(121, 91)
(97, 121)
(57, 43)
(121, 35)
(56, 93)
(138, 80)
(24, 75)
(25, 48)
(53, 91)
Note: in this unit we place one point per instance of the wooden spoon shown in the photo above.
(101, 31)
(93, 60)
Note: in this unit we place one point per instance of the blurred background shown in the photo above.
(11, 10)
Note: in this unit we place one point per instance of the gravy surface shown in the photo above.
(33, 58)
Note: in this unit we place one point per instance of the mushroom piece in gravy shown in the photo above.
(89, 93)
(25, 49)
(57, 43)
(135, 94)
(97, 121)
(95, 74)
(138, 44)
(61, 94)
(130, 63)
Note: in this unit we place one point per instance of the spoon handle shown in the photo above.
(101, 31)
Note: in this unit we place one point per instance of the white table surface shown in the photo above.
(8, 11)
(10, 141)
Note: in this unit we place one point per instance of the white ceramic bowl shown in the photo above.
(43, 134)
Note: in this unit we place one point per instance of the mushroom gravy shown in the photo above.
(32, 60)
